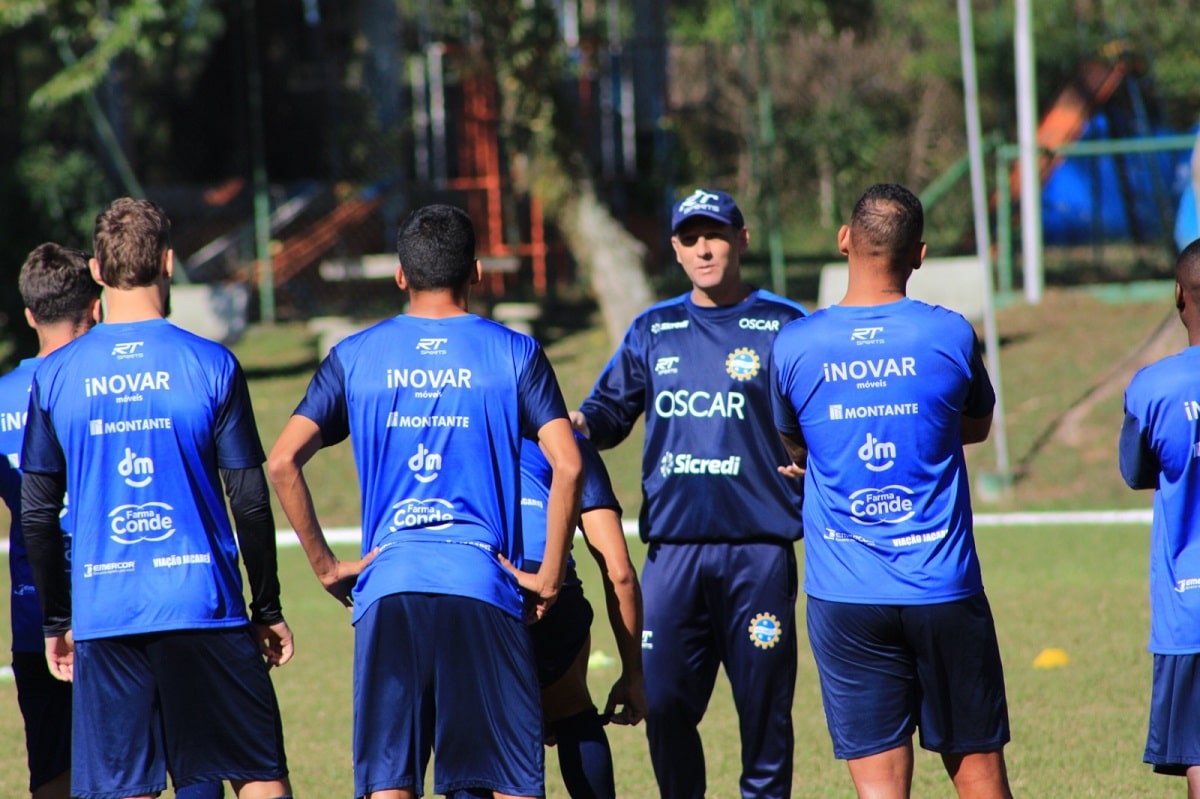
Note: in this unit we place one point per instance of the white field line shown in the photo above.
(353, 535)
(347, 535)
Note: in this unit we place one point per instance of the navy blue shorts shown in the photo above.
(561, 634)
(46, 707)
(196, 703)
(1173, 743)
(888, 670)
(451, 675)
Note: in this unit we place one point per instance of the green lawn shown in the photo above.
(1078, 730)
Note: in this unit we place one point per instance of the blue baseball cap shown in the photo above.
(713, 204)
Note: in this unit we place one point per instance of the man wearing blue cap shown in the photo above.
(719, 584)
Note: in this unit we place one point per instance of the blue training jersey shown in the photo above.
(23, 602)
(535, 493)
(1162, 434)
(139, 417)
(878, 394)
(701, 377)
(436, 410)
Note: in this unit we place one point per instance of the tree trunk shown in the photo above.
(610, 255)
(524, 45)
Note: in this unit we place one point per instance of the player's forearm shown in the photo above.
(41, 504)
(624, 601)
(562, 509)
(255, 525)
(607, 424)
(295, 497)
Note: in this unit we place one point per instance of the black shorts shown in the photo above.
(560, 634)
(46, 705)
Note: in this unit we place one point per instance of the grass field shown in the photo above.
(1078, 730)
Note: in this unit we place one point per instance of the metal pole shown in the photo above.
(258, 168)
(1031, 188)
(766, 138)
(983, 243)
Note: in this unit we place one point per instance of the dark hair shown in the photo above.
(56, 284)
(436, 246)
(888, 218)
(1187, 266)
(131, 237)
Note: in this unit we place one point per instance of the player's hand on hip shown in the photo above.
(580, 423)
(791, 470)
(276, 642)
(60, 656)
(340, 580)
(539, 592)
(628, 693)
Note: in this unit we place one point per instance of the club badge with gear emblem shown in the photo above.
(742, 364)
(765, 631)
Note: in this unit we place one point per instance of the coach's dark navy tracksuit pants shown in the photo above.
(711, 604)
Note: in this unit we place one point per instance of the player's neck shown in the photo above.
(874, 283)
(137, 304)
(54, 336)
(721, 296)
(439, 304)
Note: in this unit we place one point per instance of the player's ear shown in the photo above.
(401, 279)
(843, 239)
(1180, 302)
(29, 320)
(477, 273)
(96, 310)
(94, 268)
(743, 239)
(921, 250)
(169, 263)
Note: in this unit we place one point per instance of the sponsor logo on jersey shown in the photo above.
(11, 421)
(1187, 584)
(870, 373)
(742, 364)
(876, 455)
(428, 383)
(128, 349)
(394, 419)
(888, 505)
(771, 325)
(113, 567)
(138, 471)
(838, 535)
(700, 404)
(127, 387)
(919, 538)
(647, 639)
(425, 465)
(14, 459)
(765, 631)
(839, 412)
(532, 502)
(431, 514)
(1191, 410)
(99, 427)
(866, 335)
(431, 346)
(662, 327)
(667, 365)
(133, 524)
(171, 561)
(686, 463)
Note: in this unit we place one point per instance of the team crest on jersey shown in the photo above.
(765, 631)
(742, 363)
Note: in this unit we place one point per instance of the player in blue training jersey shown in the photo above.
(62, 302)
(562, 639)
(719, 584)
(1159, 443)
(436, 403)
(876, 397)
(142, 422)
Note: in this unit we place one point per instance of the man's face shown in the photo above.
(710, 252)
